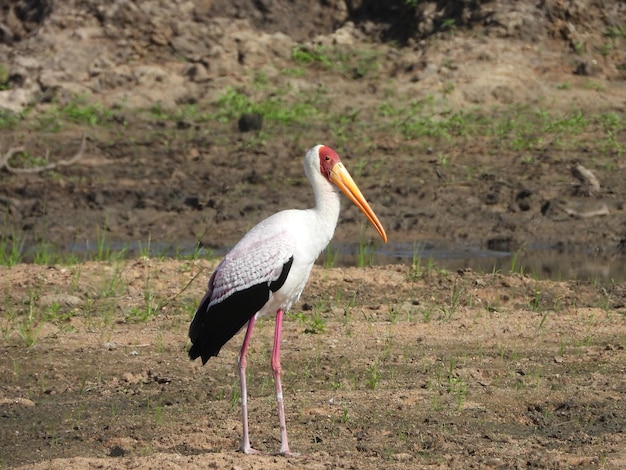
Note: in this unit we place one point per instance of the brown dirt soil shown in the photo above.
(383, 368)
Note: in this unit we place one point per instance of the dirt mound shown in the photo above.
(95, 43)
(397, 20)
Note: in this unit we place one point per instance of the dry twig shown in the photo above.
(589, 184)
(6, 159)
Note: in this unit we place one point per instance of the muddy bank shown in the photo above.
(166, 163)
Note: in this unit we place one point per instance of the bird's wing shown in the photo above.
(259, 258)
(242, 283)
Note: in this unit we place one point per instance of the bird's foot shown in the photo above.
(250, 450)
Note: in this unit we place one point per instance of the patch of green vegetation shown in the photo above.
(572, 123)
(534, 303)
(579, 48)
(113, 284)
(79, 110)
(421, 119)
(517, 128)
(612, 125)
(331, 255)
(525, 129)
(24, 159)
(444, 126)
(155, 410)
(516, 266)
(4, 77)
(9, 119)
(313, 323)
(29, 327)
(294, 71)
(144, 313)
(606, 49)
(47, 254)
(448, 24)
(157, 111)
(317, 55)
(351, 63)
(618, 31)
(446, 381)
(415, 270)
(274, 109)
(373, 376)
(150, 307)
(457, 295)
(366, 251)
(11, 250)
(231, 104)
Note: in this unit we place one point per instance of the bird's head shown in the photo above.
(334, 171)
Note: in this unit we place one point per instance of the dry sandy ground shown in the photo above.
(385, 367)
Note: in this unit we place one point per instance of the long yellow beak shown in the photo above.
(340, 177)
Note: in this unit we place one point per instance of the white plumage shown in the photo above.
(268, 269)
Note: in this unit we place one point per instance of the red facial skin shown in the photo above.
(328, 159)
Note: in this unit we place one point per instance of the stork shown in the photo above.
(266, 271)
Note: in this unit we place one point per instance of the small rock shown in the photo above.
(99, 65)
(62, 300)
(17, 401)
(117, 451)
(16, 100)
(198, 73)
(250, 122)
(134, 379)
(588, 68)
(402, 457)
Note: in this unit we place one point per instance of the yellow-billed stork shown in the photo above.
(266, 271)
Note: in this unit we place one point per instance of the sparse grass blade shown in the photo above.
(415, 271)
(331, 255)
(11, 250)
(365, 251)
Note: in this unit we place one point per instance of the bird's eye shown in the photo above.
(326, 158)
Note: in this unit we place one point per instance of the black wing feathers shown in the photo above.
(278, 283)
(211, 328)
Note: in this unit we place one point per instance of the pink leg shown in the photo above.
(242, 361)
(276, 369)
